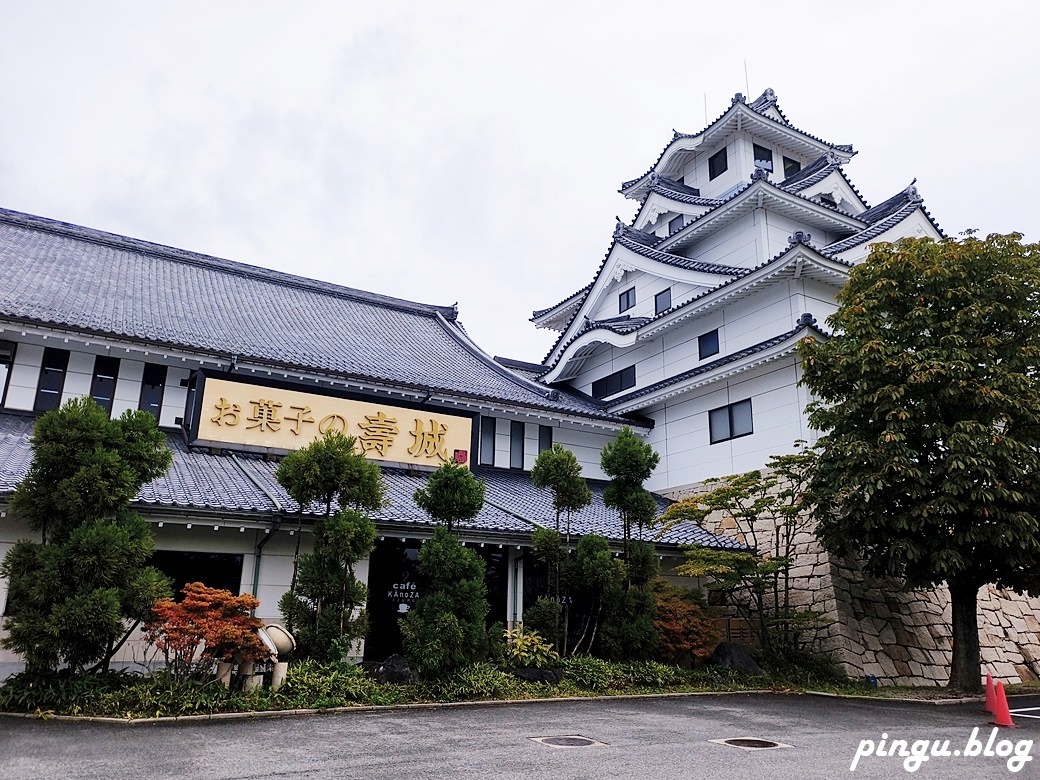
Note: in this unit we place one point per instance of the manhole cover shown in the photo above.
(568, 741)
(750, 743)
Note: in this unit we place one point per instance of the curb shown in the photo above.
(259, 714)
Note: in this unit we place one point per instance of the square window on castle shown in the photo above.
(730, 422)
(103, 383)
(708, 344)
(763, 157)
(718, 164)
(614, 383)
(52, 379)
(627, 299)
(675, 223)
(663, 301)
(791, 167)
(153, 384)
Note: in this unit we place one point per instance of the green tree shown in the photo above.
(324, 605)
(929, 404)
(558, 470)
(451, 495)
(445, 629)
(768, 508)
(79, 593)
(629, 461)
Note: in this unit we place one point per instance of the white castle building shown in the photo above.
(743, 235)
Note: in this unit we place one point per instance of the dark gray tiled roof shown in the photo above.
(582, 292)
(737, 100)
(883, 217)
(219, 484)
(814, 172)
(679, 261)
(532, 370)
(622, 324)
(98, 283)
(680, 193)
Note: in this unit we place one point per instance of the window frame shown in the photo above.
(789, 164)
(545, 438)
(488, 429)
(728, 410)
(59, 363)
(714, 171)
(614, 383)
(516, 444)
(97, 377)
(703, 346)
(626, 296)
(768, 157)
(146, 384)
(658, 307)
(677, 222)
(10, 367)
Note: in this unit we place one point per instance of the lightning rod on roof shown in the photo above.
(747, 84)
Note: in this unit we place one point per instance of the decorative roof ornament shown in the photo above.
(806, 320)
(760, 174)
(619, 228)
(800, 237)
(675, 134)
(911, 191)
(769, 95)
(738, 98)
(620, 270)
(654, 178)
(832, 157)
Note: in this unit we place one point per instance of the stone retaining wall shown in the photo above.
(902, 638)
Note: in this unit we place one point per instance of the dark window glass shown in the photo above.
(487, 441)
(627, 299)
(614, 383)
(52, 379)
(544, 438)
(675, 223)
(516, 445)
(763, 157)
(828, 200)
(708, 343)
(153, 383)
(6, 361)
(103, 385)
(730, 422)
(718, 163)
(791, 167)
(214, 570)
(663, 301)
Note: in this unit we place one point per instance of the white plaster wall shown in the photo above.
(78, 376)
(128, 386)
(25, 375)
(735, 245)
(174, 396)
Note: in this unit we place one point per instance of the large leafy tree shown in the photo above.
(78, 594)
(324, 605)
(929, 400)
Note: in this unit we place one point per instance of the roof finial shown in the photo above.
(619, 228)
(760, 174)
(738, 98)
(911, 191)
(654, 178)
(800, 237)
(806, 320)
(769, 95)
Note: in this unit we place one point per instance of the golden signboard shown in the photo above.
(257, 417)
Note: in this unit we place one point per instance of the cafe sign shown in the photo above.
(262, 418)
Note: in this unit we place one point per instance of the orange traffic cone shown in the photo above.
(1001, 713)
(991, 694)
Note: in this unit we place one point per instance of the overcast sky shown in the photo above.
(471, 152)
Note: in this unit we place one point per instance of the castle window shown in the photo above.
(675, 223)
(6, 361)
(487, 441)
(545, 436)
(708, 344)
(103, 385)
(153, 383)
(791, 167)
(718, 164)
(614, 383)
(516, 445)
(627, 299)
(663, 301)
(52, 379)
(730, 422)
(763, 157)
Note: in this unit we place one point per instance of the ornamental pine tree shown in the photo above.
(78, 594)
(324, 606)
(929, 404)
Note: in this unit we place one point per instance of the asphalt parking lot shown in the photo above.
(636, 738)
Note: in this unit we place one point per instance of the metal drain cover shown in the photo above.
(750, 743)
(568, 741)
